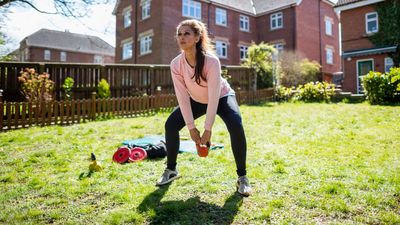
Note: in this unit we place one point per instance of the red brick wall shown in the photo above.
(353, 28)
(286, 33)
(36, 54)
(350, 73)
(124, 33)
(327, 40)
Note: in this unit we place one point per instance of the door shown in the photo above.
(363, 68)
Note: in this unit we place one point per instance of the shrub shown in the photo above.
(67, 87)
(103, 89)
(315, 92)
(296, 70)
(283, 94)
(382, 88)
(36, 87)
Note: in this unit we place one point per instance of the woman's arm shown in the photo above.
(183, 96)
(214, 91)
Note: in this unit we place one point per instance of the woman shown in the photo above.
(200, 89)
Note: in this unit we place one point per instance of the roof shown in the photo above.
(253, 7)
(370, 51)
(346, 2)
(69, 41)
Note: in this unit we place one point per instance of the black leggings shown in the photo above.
(228, 110)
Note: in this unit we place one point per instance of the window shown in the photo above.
(63, 56)
(244, 23)
(191, 8)
(328, 27)
(329, 55)
(25, 56)
(371, 22)
(222, 49)
(127, 18)
(388, 64)
(145, 9)
(145, 44)
(276, 20)
(279, 47)
(127, 50)
(98, 59)
(47, 54)
(243, 52)
(220, 17)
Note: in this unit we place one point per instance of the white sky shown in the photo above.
(21, 22)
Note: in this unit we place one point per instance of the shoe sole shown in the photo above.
(168, 181)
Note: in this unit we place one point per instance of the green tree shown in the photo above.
(67, 8)
(389, 27)
(259, 57)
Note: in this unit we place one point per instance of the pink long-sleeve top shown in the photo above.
(208, 92)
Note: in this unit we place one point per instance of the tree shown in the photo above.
(69, 8)
(389, 28)
(259, 57)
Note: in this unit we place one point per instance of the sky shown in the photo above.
(24, 21)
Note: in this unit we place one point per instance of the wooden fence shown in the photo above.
(124, 79)
(16, 115)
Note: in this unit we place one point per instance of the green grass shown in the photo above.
(307, 163)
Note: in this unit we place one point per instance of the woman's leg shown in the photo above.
(228, 110)
(173, 125)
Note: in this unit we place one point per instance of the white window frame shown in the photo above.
(191, 9)
(275, 18)
(127, 21)
(388, 64)
(221, 48)
(371, 20)
(47, 54)
(145, 44)
(221, 17)
(127, 50)
(146, 7)
(329, 55)
(243, 49)
(279, 47)
(98, 59)
(63, 56)
(328, 26)
(244, 23)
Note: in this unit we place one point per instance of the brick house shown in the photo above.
(145, 29)
(58, 46)
(359, 20)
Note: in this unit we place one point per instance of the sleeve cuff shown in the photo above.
(190, 126)
(207, 126)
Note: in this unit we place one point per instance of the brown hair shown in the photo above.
(203, 46)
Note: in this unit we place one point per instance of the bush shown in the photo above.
(103, 89)
(315, 92)
(283, 94)
(36, 87)
(296, 70)
(67, 87)
(382, 88)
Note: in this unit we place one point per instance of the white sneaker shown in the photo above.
(167, 177)
(243, 186)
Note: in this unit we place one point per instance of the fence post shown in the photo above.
(151, 78)
(93, 111)
(254, 81)
(1, 110)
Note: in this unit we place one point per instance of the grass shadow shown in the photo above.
(190, 211)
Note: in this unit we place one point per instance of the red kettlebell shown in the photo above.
(202, 150)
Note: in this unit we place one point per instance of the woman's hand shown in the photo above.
(195, 135)
(206, 137)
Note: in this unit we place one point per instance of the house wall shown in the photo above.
(285, 34)
(350, 74)
(353, 28)
(36, 54)
(122, 33)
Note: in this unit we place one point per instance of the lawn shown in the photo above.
(307, 163)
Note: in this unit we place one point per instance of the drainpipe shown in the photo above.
(135, 41)
(320, 33)
(294, 27)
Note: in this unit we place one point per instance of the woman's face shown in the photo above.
(186, 38)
